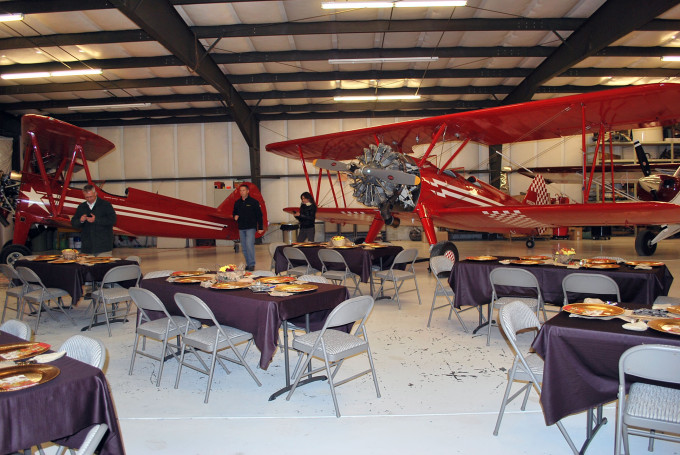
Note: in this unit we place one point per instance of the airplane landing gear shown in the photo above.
(643, 242)
(531, 243)
(12, 253)
(440, 248)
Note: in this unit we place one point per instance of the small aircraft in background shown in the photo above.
(41, 196)
(398, 187)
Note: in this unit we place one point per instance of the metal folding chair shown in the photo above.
(295, 255)
(333, 258)
(41, 296)
(17, 328)
(398, 277)
(589, 283)
(443, 265)
(14, 289)
(110, 295)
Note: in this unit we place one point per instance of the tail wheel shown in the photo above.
(531, 243)
(12, 253)
(440, 249)
(643, 243)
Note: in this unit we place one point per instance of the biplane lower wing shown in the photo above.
(349, 215)
(574, 174)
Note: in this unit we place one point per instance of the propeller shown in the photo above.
(642, 159)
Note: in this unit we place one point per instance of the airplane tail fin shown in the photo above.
(537, 194)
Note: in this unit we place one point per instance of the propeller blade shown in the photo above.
(642, 159)
(392, 176)
(332, 165)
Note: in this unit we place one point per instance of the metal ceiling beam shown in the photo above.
(333, 76)
(63, 6)
(612, 21)
(323, 55)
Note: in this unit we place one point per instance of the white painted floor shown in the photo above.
(441, 388)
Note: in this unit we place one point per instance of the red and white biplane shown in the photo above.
(395, 185)
(40, 195)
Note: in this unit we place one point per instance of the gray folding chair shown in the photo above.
(108, 298)
(514, 317)
(212, 340)
(41, 296)
(158, 329)
(515, 277)
(398, 277)
(589, 283)
(653, 407)
(334, 346)
(444, 265)
(272, 249)
(14, 289)
(85, 349)
(314, 279)
(157, 274)
(295, 254)
(262, 273)
(17, 328)
(328, 257)
(137, 259)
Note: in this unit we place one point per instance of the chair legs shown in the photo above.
(453, 309)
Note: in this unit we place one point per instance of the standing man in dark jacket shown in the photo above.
(248, 214)
(95, 218)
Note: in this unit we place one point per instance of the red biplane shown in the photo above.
(40, 194)
(397, 186)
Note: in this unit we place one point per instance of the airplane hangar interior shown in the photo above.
(449, 204)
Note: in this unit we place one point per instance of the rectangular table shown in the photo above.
(582, 360)
(61, 410)
(257, 313)
(70, 277)
(470, 280)
(359, 260)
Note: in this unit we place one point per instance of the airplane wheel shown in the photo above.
(643, 243)
(531, 243)
(439, 248)
(12, 253)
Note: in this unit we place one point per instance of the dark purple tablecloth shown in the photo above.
(61, 410)
(257, 313)
(470, 280)
(70, 277)
(359, 260)
(582, 360)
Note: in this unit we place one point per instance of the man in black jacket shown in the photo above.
(248, 215)
(95, 218)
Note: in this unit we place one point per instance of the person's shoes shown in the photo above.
(250, 268)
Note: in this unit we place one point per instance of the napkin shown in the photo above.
(639, 326)
(6, 364)
(643, 267)
(592, 300)
(207, 284)
(51, 357)
(573, 266)
(202, 269)
(504, 261)
(660, 306)
(280, 294)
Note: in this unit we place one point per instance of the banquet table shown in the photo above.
(61, 410)
(70, 277)
(258, 313)
(359, 260)
(470, 280)
(581, 361)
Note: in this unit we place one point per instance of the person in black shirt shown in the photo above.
(95, 218)
(306, 216)
(248, 215)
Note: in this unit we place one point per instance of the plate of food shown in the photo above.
(666, 325)
(186, 273)
(23, 376)
(600, 261)
(526, 262)
(481, 258)
(534, 258)
(230, 285)
(63, 261)
(295, 288)
(261, 287)
(602, 266)
(192, 280)
(276, 279)
(593, 309)
(647, 263)
(20, 351)
(47, 257)
(673, 309)
(373, 245)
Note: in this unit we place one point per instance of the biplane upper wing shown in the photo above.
(523, 217)
(57, 138)
(619, 108)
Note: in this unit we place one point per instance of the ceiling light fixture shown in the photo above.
(377, 98)
(393, 4)
(337, 61)
(51, 74)
(108, 106)
(11, 17)
(670, 58)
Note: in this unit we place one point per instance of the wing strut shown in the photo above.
(435, 138)
(304, 167)
(330, 182)
(455, 154)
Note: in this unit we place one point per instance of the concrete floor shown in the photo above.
(441, 388)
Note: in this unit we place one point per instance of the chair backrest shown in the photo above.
(440, 264)
(328, 255)
(193, 307)
(92, 439)
(10, 274)
(28, 276)
(157, 274)
(656, 362)
(515, 277)
(147, 301)
(137, 259)
(257, 273)
(122, 273)
(314, 279)
(87, 350)
(406, 256)
(589, 283)
(294, 254)
(17, 328)
(351, 310)
(273, 246)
